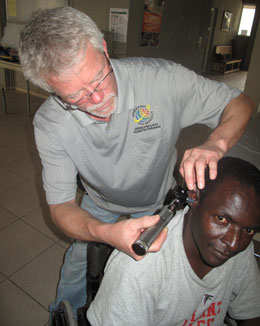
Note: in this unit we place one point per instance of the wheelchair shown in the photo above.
(97, 256)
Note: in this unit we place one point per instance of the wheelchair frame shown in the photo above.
(97, 256)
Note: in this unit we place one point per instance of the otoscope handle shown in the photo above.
(141, 245)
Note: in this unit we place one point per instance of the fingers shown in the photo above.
(147, 221)
(213, 169)
(192, 170)
(194, 164)
(200, 173)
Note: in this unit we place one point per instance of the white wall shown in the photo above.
(99, 10)
(24, 8)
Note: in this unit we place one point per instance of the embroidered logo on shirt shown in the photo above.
(142, 117)
(143, 114)
(207, 297)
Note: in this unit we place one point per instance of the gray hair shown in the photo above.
(52, 40)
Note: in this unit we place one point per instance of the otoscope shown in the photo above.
(141, 245)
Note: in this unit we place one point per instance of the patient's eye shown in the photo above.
(249, 231)
(221, 219)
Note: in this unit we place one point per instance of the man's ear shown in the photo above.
(105, 48)
(194, 196)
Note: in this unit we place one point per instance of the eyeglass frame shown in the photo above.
(73, 106)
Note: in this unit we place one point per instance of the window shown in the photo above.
(247, 19)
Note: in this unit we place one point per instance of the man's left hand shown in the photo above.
(194, 162)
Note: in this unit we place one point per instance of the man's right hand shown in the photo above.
(79, 224)
(123, 234)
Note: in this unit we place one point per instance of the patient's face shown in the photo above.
(226, 222)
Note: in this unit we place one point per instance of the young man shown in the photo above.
(115, 123)
(206, 268)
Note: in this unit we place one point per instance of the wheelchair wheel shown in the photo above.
(63, 316)
(66, 307)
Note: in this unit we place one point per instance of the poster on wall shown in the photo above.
(152, 21)
(226, 22)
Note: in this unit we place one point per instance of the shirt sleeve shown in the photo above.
(126, 294)
(59, 172)
(245, 301)
(198, 99)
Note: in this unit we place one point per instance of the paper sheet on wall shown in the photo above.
(118, 24)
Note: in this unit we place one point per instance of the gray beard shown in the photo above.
(103, 114)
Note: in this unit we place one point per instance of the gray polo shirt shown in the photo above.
(126, 165)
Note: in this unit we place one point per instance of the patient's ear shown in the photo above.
(194, 195)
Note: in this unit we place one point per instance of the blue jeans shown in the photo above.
(73, 282)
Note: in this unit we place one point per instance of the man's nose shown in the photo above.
(232, 239)
(97, 96)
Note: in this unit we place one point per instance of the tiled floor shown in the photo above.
(32, 248)
(236, 79)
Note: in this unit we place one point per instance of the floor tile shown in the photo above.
(257, 237)
(2, 278)
(18, 105)
(236, 79)
(19, 309)
(13, 151)
(26, 167)
(40, 277)
(8, 179)
(29, 144)
(37, 180)
(66, 242)
(18, 108)
(6, 218)
(40, 219)
(22, 199)
(11, 131)
(20, 243)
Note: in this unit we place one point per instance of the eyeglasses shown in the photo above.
(87, 97)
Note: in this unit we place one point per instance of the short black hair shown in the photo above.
(232, 168)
